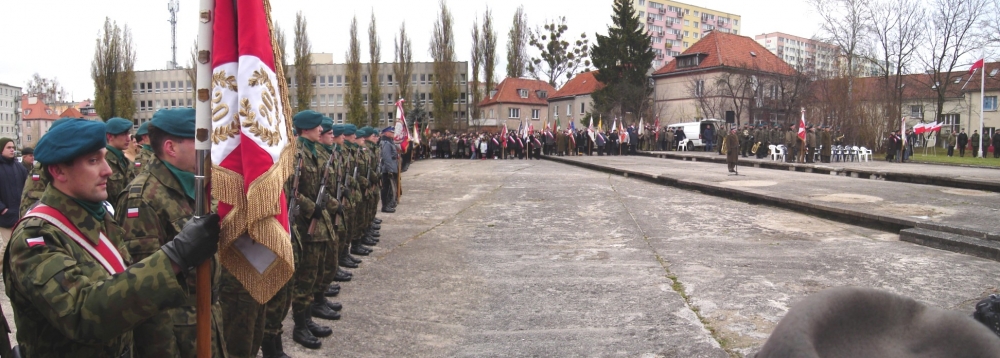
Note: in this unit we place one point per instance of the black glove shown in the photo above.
(197, 241)
(317, 214)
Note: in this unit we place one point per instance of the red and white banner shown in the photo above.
(919, 128)
(402, 133)
(977, 65)
(802, 126)
(251, 155)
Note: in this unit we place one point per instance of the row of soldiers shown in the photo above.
(756, 141)
(102, 262)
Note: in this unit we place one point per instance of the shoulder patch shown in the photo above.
(35, 241)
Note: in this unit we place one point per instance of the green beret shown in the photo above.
(61, 121)
(143, 129)
(327, 124)
(177, 122)
(338, 130)
(69, 140)
(118, 125)
(350, 129)
(27, 150)
(307, 119)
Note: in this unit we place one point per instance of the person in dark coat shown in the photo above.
(12, 177)
(996, 145)
(731, 144)
(963, 141)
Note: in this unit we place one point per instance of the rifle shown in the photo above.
(293, 205)
(321, 196)
(340, 207)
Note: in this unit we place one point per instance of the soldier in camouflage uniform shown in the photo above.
(362, 155)
(122, 170)
(375, 180)
(146, 151)
(36, 182)
(323, 308)
(312, 247)
(155, 207)
(74, 288)
(350, 200)
(338, 212)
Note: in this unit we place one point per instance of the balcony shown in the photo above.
(650, 19)
(659, 56)
(721, 23)
(660, 34)
(663, 10)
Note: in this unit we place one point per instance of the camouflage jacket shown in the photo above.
(350, 161)
(142, 160)
(65, 302)
(330, 205)
(122, 173)
(310, 176)
(154, 210)
(33, 188)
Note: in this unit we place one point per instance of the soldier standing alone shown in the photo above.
(732, 146)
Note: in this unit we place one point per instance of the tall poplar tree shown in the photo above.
(374, 82)
(445, 89)
(353, 101)
(113, 72)
(304, 90)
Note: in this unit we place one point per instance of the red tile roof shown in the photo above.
(584, 83)
(507, 92)
(71, 113)
(36, 110)
(919, 85)
(728, 50)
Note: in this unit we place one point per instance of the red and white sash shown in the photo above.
(104, 252)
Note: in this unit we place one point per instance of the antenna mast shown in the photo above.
(174, 7)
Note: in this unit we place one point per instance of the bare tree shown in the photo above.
(557, 57)
(845, 24)
(353, 101)
(708, 94)
(48, 90)
(477, 64)
(489, 51)
(954, 37)
(375, 81)
(897, 26)
(402, 68)
(192, 69)
(304, 78)
(517, 45)
(113, 72)
(442, 49)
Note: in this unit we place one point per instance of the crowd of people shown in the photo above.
(102, 241)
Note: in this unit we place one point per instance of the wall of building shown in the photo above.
(571, 109)
(500, 113)
(158, 89)
(10, 103)
(675, 26)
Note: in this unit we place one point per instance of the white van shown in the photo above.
(692, 132)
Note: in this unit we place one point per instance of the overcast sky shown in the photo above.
(57, 38)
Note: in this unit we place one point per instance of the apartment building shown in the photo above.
(37, 118)
(173, 88)
(805, 55)
(675, 26)
(10, 109)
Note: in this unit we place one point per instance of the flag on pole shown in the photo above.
(902, 129)
(402, 131)
(590, 130)
(977, 65)
(802, 126)
(642, 128)
(416, 132)
(503, 136)
(919, 128)
(251, 152)
(600, 123)
(656, 128)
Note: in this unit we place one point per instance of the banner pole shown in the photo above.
(203, 150)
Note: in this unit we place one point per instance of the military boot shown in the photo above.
(373, 233)
(302, 334)
(319, 309)
(336, 306)
(370, 241)
(271, 347)
(346, 261)
(376, 226)
(358, 249)
(377, 221)
(332, 291)
(342, 276)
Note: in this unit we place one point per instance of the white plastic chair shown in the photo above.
(855, 154)
(781, 152)
(838, 154)
(864, 154)
(682, 145)
(774, 153)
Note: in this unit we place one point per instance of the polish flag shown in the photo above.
(918, 128)
(251, 152)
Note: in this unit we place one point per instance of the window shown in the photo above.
(513, 113)
(173, 103)
(916, 111)
(462, 77)
(364, 99)
(642, 2)
(364, 80)
(189, 102)
(322, 100)
(340, 118)
(329, 81)
(157, 87)
(322, 81)
(990, 103)
(583, 108)
(173, 86)
(423, 79)
(389, 77)
(313, 102)
(340, 99)
(29, 137)
(535, 113)
(994, 72)
(340, 80)
(699, 88)
(685, 44)
(569, 109)
(189, 87)
(523, 93)
(462, 98)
